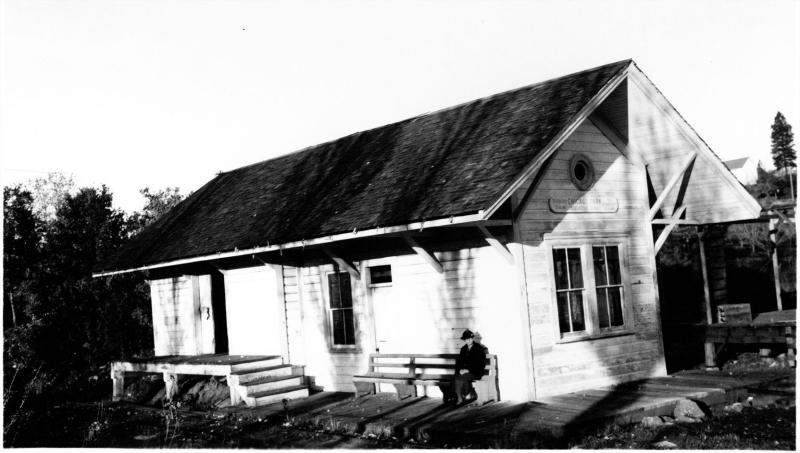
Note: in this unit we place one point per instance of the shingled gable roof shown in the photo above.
(450, 163)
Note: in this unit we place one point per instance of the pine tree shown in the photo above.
(783, 154)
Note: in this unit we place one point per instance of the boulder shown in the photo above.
(652, 422)
(664, 444)
(733, 408)
(687, 409)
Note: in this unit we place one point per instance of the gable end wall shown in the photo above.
(561, 367)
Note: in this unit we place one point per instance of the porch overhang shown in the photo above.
(471, 220)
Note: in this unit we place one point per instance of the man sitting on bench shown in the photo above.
(470, 366)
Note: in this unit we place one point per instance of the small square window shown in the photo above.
(379, 275)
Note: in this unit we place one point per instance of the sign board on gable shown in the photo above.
(584, 204)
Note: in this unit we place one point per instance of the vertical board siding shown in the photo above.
(254, 311)
(173, 316)
(561, 367)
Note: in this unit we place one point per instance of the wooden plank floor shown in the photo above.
(206, 359)
(426, 419)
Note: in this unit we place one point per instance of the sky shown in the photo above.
(166, 93)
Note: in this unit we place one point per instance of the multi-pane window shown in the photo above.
(380, 275)
(608, 282)
(341, 308)
(589, 289)
(569, 289)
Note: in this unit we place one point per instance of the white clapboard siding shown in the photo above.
(423, 311)
(561, 366)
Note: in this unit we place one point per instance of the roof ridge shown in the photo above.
(628, 61)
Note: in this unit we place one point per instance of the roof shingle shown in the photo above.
(452, 162)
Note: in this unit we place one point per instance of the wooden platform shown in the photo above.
(233, 367)
(516, 423)
(207, 364)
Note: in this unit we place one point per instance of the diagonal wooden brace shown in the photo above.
(426, 255)
(342, 263)
(662, 238)
(672, 182)
(501, 249)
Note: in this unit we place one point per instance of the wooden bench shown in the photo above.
(407, 371)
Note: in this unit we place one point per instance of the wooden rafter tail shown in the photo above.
(342, 263)
(662, 238)
(668, 188)
(426, 255)
(496, 244)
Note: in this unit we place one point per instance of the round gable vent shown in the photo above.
(581, 172)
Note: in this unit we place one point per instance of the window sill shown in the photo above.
(596, 336)
(344, 349)
(380, 285)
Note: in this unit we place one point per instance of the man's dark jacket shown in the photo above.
(473, 360)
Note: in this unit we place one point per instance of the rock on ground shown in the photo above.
(687, 409)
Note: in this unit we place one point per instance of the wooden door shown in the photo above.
(206, 341)
(389, 321)
(254, 312)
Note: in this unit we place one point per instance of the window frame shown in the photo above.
(368, 268)
(590, 307)
(331, 334)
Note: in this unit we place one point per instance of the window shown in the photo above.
(609, 286)
(589, 289)
(581, 172)
(341, 308)
(380, 275)
(569, 289)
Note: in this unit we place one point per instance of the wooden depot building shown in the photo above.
(532, 217)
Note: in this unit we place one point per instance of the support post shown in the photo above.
(776, 267)
(170, 385)
(233, 389)
(117, 383)
(709, 347)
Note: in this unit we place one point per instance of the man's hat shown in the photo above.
(467, 334)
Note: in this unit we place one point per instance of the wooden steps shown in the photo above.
(262, 385)
(275, 395)
(252, 365)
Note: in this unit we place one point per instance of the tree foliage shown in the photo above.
(49, 193)
(65, 325)
(783, 155)
(157, 203)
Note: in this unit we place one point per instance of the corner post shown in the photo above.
(709, 347)
(117, 382)
(776, 267)
(171, 385)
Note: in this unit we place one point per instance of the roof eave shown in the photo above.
(464, 220)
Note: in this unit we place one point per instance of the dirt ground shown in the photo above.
(767, 425)
(766, 422)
